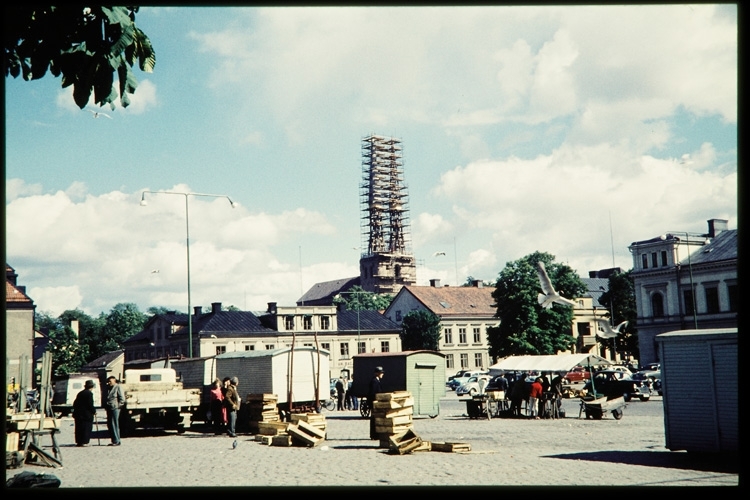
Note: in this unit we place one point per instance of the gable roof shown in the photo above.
(454, 301)
(103, 361)
(15, 296)
(722, 247)
(323, 293)
(595, 287)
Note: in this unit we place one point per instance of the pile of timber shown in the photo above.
(305, 429)
(393, 413)
(263, 416)
(410, 442)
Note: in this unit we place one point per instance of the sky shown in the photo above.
(568, 130)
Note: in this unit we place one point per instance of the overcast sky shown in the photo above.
(568, 130)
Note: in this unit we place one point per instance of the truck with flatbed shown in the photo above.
(154, 398)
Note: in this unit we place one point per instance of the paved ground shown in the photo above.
(504, 452)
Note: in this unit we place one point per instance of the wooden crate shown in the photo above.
(451, 447)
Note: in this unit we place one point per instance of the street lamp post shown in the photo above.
(187, 245)
(690, 269)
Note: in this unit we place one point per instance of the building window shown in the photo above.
(398, 315)
(654, 262)
(688, 298)
(289, 322)
(326, 346)
(344, 348)
(449, 360)
(644, 261)
(477, 336)
(270, 347)
(361, 347)
(325, 322)
(712, 300)
(384, 346)
(478, 359)
(249, 347)
(307, 322)
(663, 257)
(657, 305)
(221, 349)
(732, 293)
(464, 361)
(584, 329)
(462, 335)
(448, 336)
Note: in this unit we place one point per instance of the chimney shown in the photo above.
(272, 307)
(435, 283)
(715, 226)
(197, 310)
(215, 307)
(477, 283)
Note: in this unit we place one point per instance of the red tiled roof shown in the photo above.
(455, 301)
(13, 294)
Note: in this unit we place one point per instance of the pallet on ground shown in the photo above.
(270, 428)
(306, 434)
(451, 447)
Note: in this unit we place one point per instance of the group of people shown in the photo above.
(224, 405)
(534, 394)
(84, 412)
(345, 398)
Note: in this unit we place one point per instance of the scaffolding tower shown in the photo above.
(386, 262)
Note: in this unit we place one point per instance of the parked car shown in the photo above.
(652, 367)
(459, 373)
(577, 374)
(472, 386)
(459, 381)
(496, 384)
(650, 378)
(615, 383)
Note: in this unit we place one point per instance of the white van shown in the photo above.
(67, 388)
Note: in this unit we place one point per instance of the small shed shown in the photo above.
(302, 370)
(420, 372)
(700, 385)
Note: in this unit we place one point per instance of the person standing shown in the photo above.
(232, 404)
(115, 401)
(534, 395)
(351, 399)
(373, 389)
(216, 406)
(84, 413)
(340, 392)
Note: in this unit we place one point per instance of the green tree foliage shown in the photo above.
(620, 300)
(525, 327)
(420, 330)
(86, 45)
(357, 299)
(471, 279)
(123, 321)
(90, 332)
(68, 354)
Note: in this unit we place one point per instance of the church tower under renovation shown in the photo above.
(386, 263)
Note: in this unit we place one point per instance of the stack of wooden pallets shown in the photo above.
(263, 415)
(393, 413)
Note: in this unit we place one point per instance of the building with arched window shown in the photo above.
(684, 281)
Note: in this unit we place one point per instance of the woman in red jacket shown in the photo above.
(534, 396)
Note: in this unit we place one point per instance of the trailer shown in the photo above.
(420, 372)
(299, 377)
(197, 373)
(66, 388)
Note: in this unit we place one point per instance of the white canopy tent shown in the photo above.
(547, 363)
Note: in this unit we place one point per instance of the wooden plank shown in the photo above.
(303, 437)
(409, 410)
(391, 430)
(393, 403)
(281, 440)
(311, 430)
(403, 420)
(451, 447)
(262, 397)
(388, 396)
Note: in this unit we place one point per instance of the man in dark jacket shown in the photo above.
(373, 389)
(232, 401)
(84, 413)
